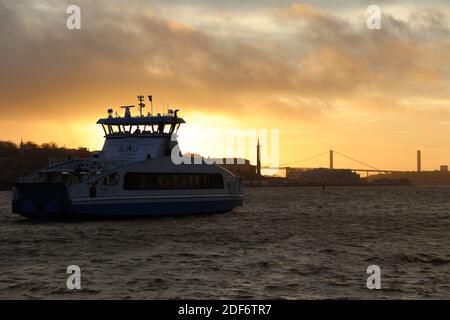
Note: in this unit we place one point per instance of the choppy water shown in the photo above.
(285, 243)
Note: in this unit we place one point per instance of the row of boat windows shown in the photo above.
(167, 181)
(140, 129)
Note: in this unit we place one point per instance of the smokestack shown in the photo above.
(331, 159)
(419, 161)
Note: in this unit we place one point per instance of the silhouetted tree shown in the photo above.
(19, 160)
(49, 145)
(30, 145)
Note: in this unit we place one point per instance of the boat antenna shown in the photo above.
(150, 98)
(141, 104)
(127, 111)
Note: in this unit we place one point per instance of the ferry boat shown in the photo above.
(137, 173)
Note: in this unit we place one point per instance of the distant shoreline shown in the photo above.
(9, 186)
(328, 186)
(4, 188)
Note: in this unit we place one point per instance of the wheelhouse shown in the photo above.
(165, 125)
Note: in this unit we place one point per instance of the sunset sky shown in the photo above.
(311, 69)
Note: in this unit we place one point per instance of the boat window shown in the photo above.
(111, 179)
(56, 177)
(137, 131)
(114, 129)
(171, 181)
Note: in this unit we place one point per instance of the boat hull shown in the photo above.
(158, 208)
(126, 207)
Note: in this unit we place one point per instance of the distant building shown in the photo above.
(444, 168)
(322, 176)
(437, 177)
(240, 167)
(391, 182)
(258, 159)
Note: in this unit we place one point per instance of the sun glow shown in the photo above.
(203, 134)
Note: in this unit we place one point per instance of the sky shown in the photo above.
(311, 70)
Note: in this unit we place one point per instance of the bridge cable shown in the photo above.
(303, 160)
(360, 162)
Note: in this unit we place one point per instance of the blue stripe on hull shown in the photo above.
(144, 209)
(156, 208)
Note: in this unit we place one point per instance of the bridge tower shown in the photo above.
(331, 159)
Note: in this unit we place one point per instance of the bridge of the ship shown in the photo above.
(145, 125)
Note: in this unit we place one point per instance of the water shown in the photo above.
(292, 243)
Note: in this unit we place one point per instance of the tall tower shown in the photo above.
(21, 159)
(331, 159)
(419, 161)
(258, 159)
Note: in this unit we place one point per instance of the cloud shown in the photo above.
(401, 59)
(126, 48)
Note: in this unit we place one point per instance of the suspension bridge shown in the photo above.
(362, 166)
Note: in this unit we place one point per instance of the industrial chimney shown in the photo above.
(419, 161)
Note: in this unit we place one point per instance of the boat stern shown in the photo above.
(35, 200)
